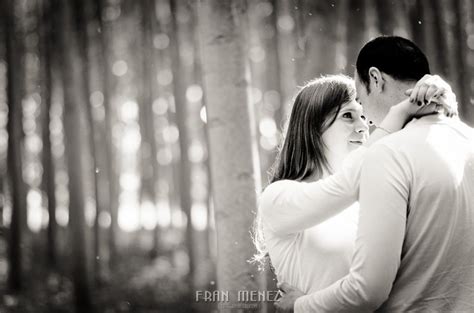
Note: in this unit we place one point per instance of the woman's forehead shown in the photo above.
(352, 106)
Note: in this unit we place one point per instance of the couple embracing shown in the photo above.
(384, 223)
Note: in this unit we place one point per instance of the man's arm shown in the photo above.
(384, 191)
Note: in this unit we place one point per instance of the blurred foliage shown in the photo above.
(136, 74)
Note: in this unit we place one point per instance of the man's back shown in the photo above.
(436, 272)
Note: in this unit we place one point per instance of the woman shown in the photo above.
(302, 222)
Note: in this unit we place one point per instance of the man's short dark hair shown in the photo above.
(393, 55)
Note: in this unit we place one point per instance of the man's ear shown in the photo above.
(376, 80)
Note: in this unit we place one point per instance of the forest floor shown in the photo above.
(138, 284)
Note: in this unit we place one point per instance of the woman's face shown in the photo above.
(348, 132)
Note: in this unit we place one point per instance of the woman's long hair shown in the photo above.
(302, 151)
(315, 109)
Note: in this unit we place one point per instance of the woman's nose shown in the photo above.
(361, 125)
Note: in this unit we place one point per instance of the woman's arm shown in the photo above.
(431, 95)
(290, 206)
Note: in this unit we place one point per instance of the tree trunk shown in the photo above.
(416, 18)
(15, 87)
(267, 78)
(184, 169)
(48, 161)
(233, 152)
(149, 165)
(113, 187)
(3, 156)
(464, 69)
(75, 102)
(84, 14)
(387, 20)
(209, 234)
(286, 38)
(357, 32)
(438, 44)
(470, 56)
(321, 33)
(265, 68)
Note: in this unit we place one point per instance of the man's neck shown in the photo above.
(398, 92)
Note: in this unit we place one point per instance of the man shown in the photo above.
(414, 249)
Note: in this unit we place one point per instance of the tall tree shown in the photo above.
(265, 69)
(470, 56)
(149, 165)
(3, 165)
(464, 69)
(414, 10)
(184, 169)
(320, 32)
(75, 102)
(437, 44)
(48, 182)
(357, 34)
(286, 39)
(85, 12)
(388, 17)
(232, 142)
(15, 88)
(209, 241)
(105, 73)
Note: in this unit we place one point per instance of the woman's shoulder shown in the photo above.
(280, 186)
(276, 191)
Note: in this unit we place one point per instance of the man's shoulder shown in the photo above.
(424, 140)
(422, 131)
(403, 144)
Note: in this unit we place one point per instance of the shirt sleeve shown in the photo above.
(290, 206)
(384, 193)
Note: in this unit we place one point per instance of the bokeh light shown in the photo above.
(257, 54)
(104, 219)
(129, 181)
(163, 214)
(148, 219)
(196, 152)
(161, 41)
(62, 216)
(160, 106)
(286, 23)
(178, 218)
(267, 127)
(34, 210)
(203, 114)
(128, 218)
(171, 133)
(194, 93)
(164, 77)
(129, 111)
(199, 216)
(120, 68)
(165, 156)
(97, 99)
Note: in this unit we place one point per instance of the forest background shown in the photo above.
(135, 136)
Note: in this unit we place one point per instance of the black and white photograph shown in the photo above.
(234, 156)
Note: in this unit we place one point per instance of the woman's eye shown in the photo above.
(347, 115)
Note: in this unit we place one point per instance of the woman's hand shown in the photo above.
(430, 95)
(434, 92)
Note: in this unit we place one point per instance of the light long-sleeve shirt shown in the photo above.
(304, 226)
(415, 242)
